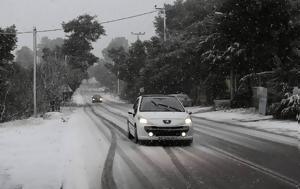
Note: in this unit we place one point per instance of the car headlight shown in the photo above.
(143, 120)
(100, 99)
(188, 121)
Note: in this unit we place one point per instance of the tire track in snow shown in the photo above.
(107, 179)
(107, 183)
(115, 113)
(175, 182)
(252, 165)
(190, 181)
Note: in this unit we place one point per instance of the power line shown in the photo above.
(129, 17)
(60, 29)
(10, 33)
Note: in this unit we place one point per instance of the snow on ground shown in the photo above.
(84, 160)
(251, 119)
(199, 109)
(61, 149)
(111, 97)
(91, 87)
(77, 98)
(32, 154)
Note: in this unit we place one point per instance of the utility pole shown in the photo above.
(34, 71)
(118, 83)
(66, 59)
(118, 80)
(138, 34)
(165, 18)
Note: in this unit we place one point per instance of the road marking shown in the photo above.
(256, 132)
(245, 162)
(255, 166)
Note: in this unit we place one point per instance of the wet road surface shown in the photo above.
(221, 156)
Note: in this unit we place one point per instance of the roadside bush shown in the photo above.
(288, 108)
(243, 96)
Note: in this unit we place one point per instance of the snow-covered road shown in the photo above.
(220, 157)
(91, 150)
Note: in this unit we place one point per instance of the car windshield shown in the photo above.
(160, 104)
(181, 97)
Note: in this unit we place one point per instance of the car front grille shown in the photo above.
(166, 131)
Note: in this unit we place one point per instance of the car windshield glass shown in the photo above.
(181, 97)
(160, 104)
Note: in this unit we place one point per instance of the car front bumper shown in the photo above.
(166, 138)
(94, 101)
(165, 133)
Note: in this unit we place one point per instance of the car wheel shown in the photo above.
(136, 137)
(128, 132)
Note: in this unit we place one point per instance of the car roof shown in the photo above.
(156, 95)
(179, 94)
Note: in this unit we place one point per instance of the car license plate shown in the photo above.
(167, 137)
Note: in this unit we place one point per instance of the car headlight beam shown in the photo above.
(143, 120)
(150, 134)
(188, 121)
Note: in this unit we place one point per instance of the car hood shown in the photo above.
(162, 115)
(157, 118)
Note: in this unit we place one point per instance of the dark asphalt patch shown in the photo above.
(190, 181)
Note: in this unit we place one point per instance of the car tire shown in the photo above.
(128, 131)
(136, 137)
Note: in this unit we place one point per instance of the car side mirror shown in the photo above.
(131, 113)
(190, 113)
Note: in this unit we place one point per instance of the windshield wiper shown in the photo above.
(165, 106)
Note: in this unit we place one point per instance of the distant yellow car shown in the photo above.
(97, 98)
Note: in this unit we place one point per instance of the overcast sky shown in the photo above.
(48, 14)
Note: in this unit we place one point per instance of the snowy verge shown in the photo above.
(111, 97)
(32, 153)
(78, 99)
(60, 150)
(83, 160)
(248, 118)
(199, 109)
(81, 96)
